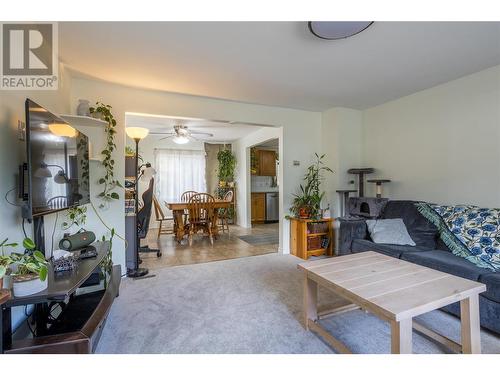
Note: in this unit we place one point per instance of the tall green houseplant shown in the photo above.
(227, 165)
(308, 202)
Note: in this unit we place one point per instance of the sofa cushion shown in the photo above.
(492, 281)
(358, 246)
(447, 262)
(423, 232)
(389, 231)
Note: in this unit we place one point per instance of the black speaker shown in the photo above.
(77, 241)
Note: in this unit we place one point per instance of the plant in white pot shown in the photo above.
(5, 260)
(29, 271)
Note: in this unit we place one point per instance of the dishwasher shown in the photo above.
(272, 207)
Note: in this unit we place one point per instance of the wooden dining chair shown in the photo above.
(201, 215)
(223, 216)
(185, 197)
(162, 219)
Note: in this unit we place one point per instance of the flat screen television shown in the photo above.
(57, 169)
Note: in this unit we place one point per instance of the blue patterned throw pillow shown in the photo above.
(469, 231)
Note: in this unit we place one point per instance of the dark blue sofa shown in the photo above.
(429, 251)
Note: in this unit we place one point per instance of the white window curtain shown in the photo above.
(178, 171)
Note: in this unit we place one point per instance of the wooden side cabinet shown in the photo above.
(258, 203)
(311, 237)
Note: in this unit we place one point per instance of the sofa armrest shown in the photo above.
(350, 230)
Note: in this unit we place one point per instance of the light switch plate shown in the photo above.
(296, 163)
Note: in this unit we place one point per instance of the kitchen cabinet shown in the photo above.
(258, 206)
(267, 163)
(263, 162)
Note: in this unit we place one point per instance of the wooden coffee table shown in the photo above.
(395, 291)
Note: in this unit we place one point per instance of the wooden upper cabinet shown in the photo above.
(267, 163)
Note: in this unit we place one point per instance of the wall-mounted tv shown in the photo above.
(57, 163)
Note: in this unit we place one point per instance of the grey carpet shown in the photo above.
(261, 239)
(246, 305)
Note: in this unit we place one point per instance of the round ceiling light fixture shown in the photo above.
(332, 30)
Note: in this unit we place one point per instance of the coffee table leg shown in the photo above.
(471, 333)
(401, 337)
(310, 300)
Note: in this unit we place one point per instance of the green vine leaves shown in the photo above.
(108, 181)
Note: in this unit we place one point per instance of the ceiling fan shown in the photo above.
(182, 134)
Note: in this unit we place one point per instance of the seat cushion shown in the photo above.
(422, 232)
(358, 246)
(492, 281)
(447, 262)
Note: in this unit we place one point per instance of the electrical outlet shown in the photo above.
(21, 130)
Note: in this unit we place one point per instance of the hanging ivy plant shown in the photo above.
(227, 165)
(75, 216)
(108, 181)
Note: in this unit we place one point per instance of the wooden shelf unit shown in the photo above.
(307, 240)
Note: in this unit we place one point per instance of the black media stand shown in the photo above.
(78, 327)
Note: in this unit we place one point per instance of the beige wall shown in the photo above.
(341, 143)
(441, 144)
(301, 129)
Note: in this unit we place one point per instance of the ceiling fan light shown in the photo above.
(181, 139)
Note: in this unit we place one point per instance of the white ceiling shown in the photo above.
(222, 131)
(281, 63)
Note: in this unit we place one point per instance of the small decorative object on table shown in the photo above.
(63, 261)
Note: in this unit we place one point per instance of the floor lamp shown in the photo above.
(137, 134)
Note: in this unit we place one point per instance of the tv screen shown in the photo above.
(58, 162)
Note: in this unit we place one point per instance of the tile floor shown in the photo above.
(227, 246)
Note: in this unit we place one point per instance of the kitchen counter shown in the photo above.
(266, 190)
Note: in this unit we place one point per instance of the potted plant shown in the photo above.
(29, 271)
(307, 204)
(227, 165)
(5, 260)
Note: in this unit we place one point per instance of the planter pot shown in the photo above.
(27, 285)
(304, 213)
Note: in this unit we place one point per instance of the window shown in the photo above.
(178, 171)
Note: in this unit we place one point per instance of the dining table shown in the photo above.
(179, 208)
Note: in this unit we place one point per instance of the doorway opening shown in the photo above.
(169, 225)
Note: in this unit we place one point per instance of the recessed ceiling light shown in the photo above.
(333, 30)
